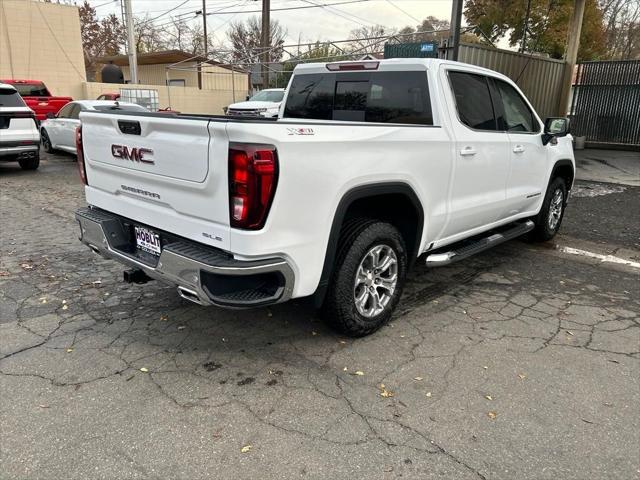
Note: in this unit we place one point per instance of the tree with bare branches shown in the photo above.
(99, 38)
(245, 41)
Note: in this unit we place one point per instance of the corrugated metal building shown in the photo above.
(539, 78)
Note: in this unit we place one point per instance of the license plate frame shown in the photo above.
(147, 240)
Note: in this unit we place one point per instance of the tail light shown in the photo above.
(253, 175)
(80, 152)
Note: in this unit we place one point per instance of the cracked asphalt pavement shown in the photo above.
(519, 363)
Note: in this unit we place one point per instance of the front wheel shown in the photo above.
(550, 217)
(46, 142)
(369, 277)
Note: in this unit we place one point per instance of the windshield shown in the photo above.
(9, 98)
(131, 108)
(31, 89)
(268, 96)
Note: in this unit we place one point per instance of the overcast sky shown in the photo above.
(328, 23)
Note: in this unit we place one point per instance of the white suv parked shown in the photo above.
(265, 103)
(19, 137)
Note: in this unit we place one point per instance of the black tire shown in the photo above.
(30, 163)
(358, 238)
(46, 142)
(548, 221)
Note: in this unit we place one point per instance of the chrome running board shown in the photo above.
(439, 259)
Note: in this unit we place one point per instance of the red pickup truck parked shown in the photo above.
(37, 97)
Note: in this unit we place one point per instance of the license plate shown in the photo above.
(148, 241)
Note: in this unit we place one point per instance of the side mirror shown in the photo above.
(555, 127)
(51, 115)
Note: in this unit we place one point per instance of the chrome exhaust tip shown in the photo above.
(189, 295)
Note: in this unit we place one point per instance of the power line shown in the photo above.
(298, 8)
(168, 11)
(403, 11)
(179, 20)
(341, 13)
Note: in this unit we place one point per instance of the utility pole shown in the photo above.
(264, 41)
(454, 30)
(131, 43)
(204, 25)
(573, 43)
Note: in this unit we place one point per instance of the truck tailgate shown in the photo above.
(163, 171)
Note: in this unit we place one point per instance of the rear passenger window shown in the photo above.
(383, 97)
(518, 115)
(473, 100)
(75, 112)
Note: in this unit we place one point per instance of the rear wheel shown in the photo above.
(550, 217)
(368, 279)
(30, 163)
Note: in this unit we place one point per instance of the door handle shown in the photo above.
(466, 151)
(518, 149)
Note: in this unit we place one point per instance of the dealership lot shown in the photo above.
(523, 362)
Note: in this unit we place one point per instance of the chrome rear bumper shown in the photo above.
(203, 274)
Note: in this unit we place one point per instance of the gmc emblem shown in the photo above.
(134, 154)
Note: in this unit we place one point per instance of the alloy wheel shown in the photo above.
(376, 280)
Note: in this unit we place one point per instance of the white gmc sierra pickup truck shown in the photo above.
(368, 166)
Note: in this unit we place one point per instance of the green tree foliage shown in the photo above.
(432, 29)
(546, 30)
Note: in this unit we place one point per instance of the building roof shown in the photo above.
(164, 57)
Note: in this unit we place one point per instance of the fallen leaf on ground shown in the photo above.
(345, 369)
(43, 406)
(4, 274)
(246, 448)
(64, 307)
(569, 332)
(388, 469)
(488, 397)
(69, 350)
(64, 301)
(485, 367)
(181, 327)
(522, 376)
(358, 372)
(97, 282)
(492, 415)
(314, 333)
(384, 392)
(163, 318)
(418, 379)
(144, 369)
(428, 394)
